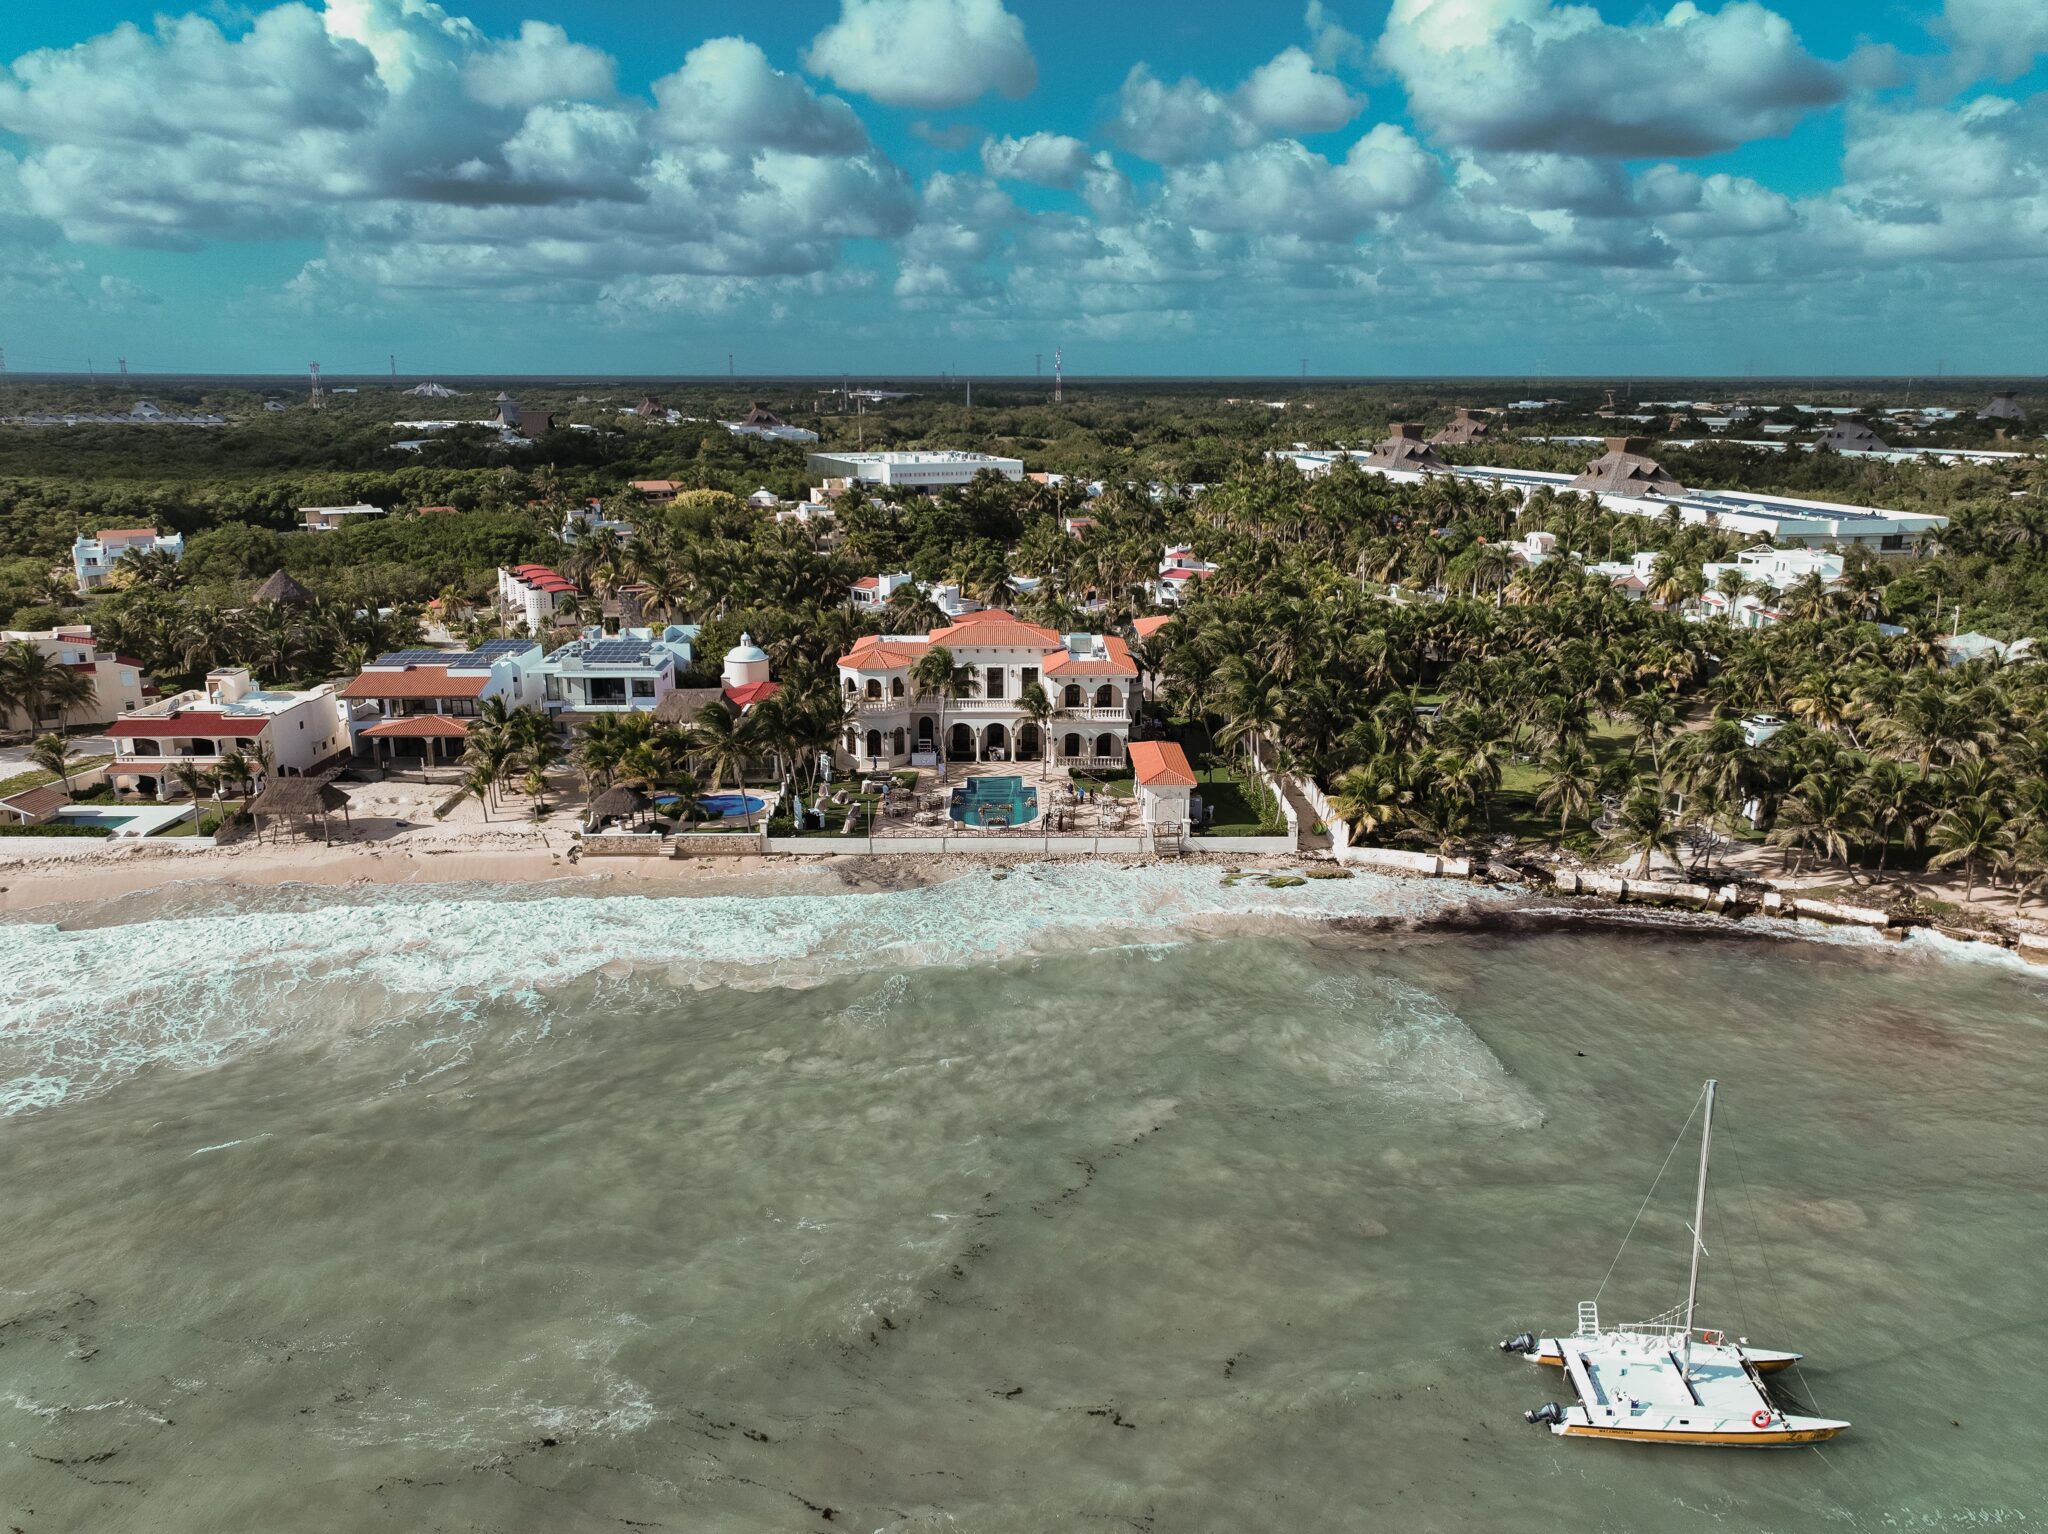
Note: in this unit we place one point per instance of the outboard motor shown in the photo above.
(1549, 1413)
(1525, 1343)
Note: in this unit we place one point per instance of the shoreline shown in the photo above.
(68, 886)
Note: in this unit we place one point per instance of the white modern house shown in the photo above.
(580, 521)
(419, 703)
(274, 730)
(93, 559)
(916, 470)
(1090, 680)
(624, 673)
(1764, 566)
(118, 684)
(327, 519)
(872, 593)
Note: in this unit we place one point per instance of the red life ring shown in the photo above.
(1759, 1418)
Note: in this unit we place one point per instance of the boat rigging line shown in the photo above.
(1650, 1195)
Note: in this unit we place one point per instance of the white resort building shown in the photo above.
(93, 559)
(1626, 479)
(289, 733)
(1090, 680)
(917, 470)
(529, 595)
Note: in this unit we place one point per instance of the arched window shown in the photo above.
(895, 686)
(896, 741)
(1105, 696)
(1106, 747)
(1070, 746)
(852, 688)
(874, 742)
(874, 689)
(1070, 696)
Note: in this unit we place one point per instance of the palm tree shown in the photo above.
(1037, 706)
(1891, 797)
(52, 753)
(1968, 833)
(1371, 797)
(724, 741)
(194, 780)
(1644, 828)
(935, 676)
(1824, 815)
(27, 679)
(1572, 786)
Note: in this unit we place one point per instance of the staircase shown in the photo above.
(1306, 837)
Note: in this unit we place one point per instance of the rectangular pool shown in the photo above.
(986, 802)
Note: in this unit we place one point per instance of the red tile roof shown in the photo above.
(747, 696)
(994, 627)
(1147, 627)
(415, 682)
(188, 721)
(420, 727)
(1161, 764)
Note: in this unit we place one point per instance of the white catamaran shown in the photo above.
(1665, 1381)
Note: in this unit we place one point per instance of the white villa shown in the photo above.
(326, 519)
(1090, 679)
(1178, 570)
(529, 593)
(1758, 567)
(873, 592)
(290, 733)
(93, 559)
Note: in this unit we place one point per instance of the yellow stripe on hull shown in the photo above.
(1758, 1440)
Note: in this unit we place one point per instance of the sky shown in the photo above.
(893, 187)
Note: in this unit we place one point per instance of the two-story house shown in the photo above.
(93, 559)
(1090, 680)
(231, 722)
(420, 703)
(629, 672)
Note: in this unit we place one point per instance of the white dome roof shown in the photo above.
(744, 652)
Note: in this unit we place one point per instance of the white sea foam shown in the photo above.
(81, 1010)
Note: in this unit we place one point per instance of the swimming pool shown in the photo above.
(729, 806)
(994, 802)
(126, 819)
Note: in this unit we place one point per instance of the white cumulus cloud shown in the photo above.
(541, 64)
(1048, 159)
(928, 54)
(728, 93)
(1534, 75)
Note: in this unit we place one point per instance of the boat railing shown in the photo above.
(1589, 1318)
(1672, 1330)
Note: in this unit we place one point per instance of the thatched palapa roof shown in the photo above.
(282, 590)
(618, 802)
(297, 796)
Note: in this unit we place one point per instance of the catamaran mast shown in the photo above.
(1699, 1222)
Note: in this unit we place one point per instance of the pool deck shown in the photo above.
(924, 809)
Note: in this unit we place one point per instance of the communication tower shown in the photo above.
(394, 367)
(124, 370)
(1057, 356)
(314, 368)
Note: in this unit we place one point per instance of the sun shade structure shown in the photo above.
(619, 802)
(1627, 468)
(2003, 407)
(299, 803)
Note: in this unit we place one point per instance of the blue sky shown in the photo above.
(910, 186)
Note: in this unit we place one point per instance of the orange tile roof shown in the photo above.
(419, 727)
(994, 627)
(1147, 627)
(871, 653)
(415, 682)
(1161, 764)
(1117, 662)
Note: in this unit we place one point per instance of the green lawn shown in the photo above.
(36, 777)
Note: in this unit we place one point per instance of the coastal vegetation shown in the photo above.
(1378, 639)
